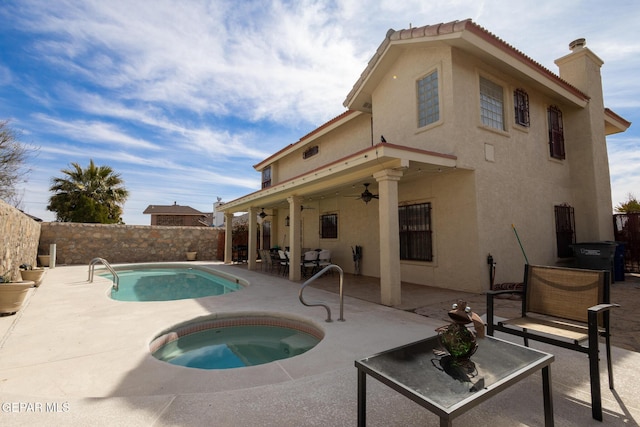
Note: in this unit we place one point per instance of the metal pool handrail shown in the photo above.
(314, 304)
(92, 264)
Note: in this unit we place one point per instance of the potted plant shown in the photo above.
(191, 255)
(44, 260)
(30, 273)
(12, 294)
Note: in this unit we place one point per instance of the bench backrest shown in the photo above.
(564, 292)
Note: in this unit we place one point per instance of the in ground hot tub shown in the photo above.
(235, 341)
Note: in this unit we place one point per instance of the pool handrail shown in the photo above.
(116, 278)
(314, 304)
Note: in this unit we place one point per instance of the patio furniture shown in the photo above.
(267, 261)
(416, 372)
(324, 259)
(309, 264)
(566, 307)
(283, 263)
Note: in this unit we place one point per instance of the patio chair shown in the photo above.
(284, 262)
(267, 261)
(324, 259)
(565, 307)
(309, 264)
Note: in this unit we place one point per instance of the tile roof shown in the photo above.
(443, 29)
(174, 209)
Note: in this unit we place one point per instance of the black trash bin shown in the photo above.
(595, 256)
(618, 261)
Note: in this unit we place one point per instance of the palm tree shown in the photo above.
(632, 205)
(94, 194)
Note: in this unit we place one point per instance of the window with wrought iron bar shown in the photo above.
(329, 226)
(556, 133)
(266, 177)
(428, 100)
(491, 104)
(521, 106)
(415, 232)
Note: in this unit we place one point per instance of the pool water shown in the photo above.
(239, 340)
(235, 347)
(168, 284)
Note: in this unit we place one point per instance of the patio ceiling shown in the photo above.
(346, 176)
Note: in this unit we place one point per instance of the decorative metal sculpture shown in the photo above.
(459, 344)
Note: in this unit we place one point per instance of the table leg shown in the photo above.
(445, 422)
(362, 398)
(548, 400)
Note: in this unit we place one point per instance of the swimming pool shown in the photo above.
(234, 342)
(168, 282)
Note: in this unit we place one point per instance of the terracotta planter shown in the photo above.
(12, 296)
(44, 260)
(191, 256)
(35, 275)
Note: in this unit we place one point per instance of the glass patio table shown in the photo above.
(447, 389)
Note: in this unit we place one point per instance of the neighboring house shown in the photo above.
(176, 215)
(451, 139)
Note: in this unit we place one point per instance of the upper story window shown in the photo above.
(491, 104)
(329, 226)
(428, 101)
(266, 177)
(521, 106)
(415, 232)
(556, 133)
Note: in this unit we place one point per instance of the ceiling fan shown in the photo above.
(366, 196)
(263, 214)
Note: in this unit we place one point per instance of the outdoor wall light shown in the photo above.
(286, 221)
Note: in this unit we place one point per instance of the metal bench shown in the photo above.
(565, 307)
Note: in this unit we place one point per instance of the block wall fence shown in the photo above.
(19, 236)
(76, 243)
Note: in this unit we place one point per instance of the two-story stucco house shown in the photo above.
(451, 139)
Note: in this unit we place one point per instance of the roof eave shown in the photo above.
(465, 35)
(613, 123)
(354, 166)
(310, 137)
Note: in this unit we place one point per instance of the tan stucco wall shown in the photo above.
(516, 180)
(503, 178)
(355, 135)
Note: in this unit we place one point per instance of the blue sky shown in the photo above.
(182, 98)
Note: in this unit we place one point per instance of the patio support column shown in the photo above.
(251, 244)
(390, 290)
(228, 237)
(295, 232)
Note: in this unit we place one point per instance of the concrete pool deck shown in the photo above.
(72, 356)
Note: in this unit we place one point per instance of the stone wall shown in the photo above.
(19, 235)
(78, 243)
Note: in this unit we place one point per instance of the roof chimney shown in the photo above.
(577, 44)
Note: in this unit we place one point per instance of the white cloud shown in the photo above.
(95, 131)
(189, 94)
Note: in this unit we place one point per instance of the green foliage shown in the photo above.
(630, 206)
(93, 195)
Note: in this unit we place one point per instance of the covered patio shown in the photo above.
(384, 164)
